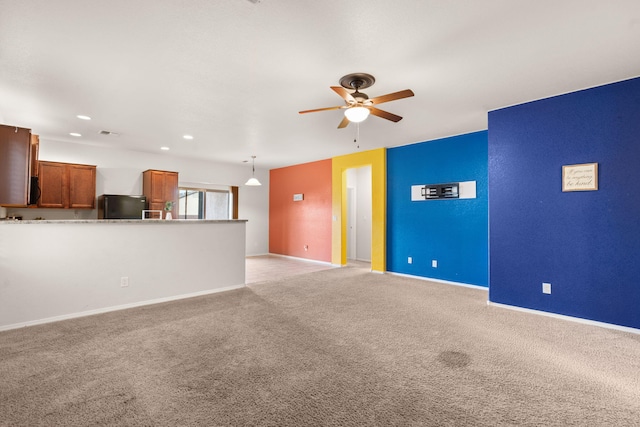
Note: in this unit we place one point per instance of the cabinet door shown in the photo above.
(171, 191)
(82, 186)
(157, 187)
(15, 150)
(53, 181)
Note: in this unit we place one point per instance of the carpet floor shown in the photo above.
(339, 347)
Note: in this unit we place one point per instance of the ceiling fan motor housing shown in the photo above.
(357, 81)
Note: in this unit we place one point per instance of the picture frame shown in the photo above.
(580, 177)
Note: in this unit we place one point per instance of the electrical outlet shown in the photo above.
(434, 263)
(409, 260)
(124, 282)
(546, 288)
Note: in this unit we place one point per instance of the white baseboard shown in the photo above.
(528, 310)
(564, 317)
(304, 259)
(116, 308)
(447, 282)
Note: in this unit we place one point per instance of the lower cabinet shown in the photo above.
(66, 185)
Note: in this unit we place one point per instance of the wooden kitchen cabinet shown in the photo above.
(67, 185)
(159, 187)
(15, 165)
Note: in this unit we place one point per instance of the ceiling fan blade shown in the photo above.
(384, 114)
(392, 96)
(344, 94)
(322, 109)
(344, 123)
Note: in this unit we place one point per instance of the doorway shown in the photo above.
(359, 208)
(377, 160)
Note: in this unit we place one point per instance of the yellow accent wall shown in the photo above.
(377, 159)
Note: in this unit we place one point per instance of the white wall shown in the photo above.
(120, 172)
(359, 179)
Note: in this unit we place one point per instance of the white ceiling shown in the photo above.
(235, 73)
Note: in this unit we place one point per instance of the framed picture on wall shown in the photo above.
(582, 177)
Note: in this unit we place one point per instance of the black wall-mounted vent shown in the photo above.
(440, 191)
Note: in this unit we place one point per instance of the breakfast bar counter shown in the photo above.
(57, 269)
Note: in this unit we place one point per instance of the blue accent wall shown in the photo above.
(453, 232)
(586, 244)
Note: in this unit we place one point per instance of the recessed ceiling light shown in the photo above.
(81, 117)
(164, 148)
(188, 137)
(75, 134)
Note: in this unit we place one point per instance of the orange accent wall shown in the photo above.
(292, 225)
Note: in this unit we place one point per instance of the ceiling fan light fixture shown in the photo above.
(356, 114)
(253, 181)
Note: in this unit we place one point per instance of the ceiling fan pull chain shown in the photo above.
(355, 140)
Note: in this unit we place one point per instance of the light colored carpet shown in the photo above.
(340, 347)
(261, 268)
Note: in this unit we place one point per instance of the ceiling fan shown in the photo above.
(358, 105)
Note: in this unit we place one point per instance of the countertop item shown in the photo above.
(121, 221)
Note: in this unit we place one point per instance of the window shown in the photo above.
(195, 203)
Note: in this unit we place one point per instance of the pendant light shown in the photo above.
(253, 181)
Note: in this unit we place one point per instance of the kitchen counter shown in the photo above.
(58, 269)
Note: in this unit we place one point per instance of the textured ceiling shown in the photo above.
(235, 73)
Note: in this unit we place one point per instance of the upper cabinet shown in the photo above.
(15, 165)
(160, 187)
(67, 185)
